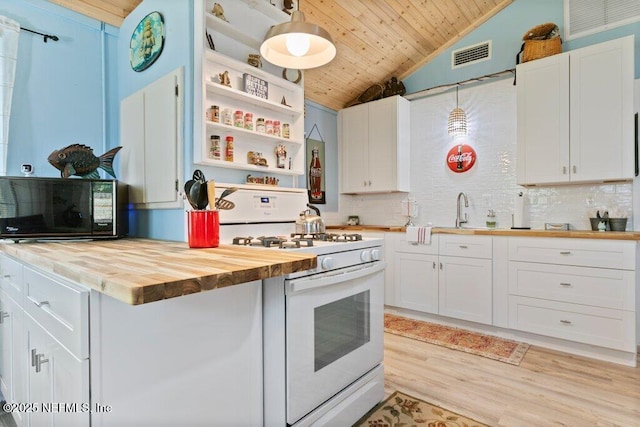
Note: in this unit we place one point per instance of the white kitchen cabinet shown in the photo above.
(574, 289)
(575, 115)
(416, 276)
(374, 141)
(151, 137)
(282, 102)
(58, 382)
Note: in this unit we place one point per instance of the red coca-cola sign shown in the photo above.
(461, 158)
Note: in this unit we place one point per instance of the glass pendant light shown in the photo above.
(457, 123)
(297, 44)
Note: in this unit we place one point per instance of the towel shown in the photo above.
(419, 235)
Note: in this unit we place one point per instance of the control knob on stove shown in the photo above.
(326, 263)
(365, 256)
(375, 254)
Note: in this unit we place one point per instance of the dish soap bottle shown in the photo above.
(491, 219)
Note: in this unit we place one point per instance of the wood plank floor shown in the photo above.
(549, 388)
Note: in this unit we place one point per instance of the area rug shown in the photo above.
(403, 410)
(496, 348)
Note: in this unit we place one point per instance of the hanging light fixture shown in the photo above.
(457, 123)
(297, 44)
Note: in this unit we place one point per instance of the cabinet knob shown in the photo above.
(566, 285)
(41, 304)
(564, 170)
(464, 246)
(440, 266)
(565, 252)
(3, 315)
(434, 265)
(575, 169)
(566, 322)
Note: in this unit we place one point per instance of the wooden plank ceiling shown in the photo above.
(375, 39)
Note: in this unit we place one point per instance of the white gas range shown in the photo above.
(323, 328)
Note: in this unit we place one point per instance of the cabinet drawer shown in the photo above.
(61, 308)
(589, 325)
(402, 245)
(598, 287)
(579, 252)
(11, 279)
(467, 246)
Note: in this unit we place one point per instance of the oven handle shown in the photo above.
(332, 278)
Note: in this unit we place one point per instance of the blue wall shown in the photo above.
(59, 93)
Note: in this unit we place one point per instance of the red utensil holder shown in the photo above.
(203, 229)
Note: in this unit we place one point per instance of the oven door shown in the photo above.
(334, 333)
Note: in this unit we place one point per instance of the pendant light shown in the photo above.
(297, 44)
(457, 123)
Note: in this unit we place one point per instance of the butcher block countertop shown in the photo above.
(577, 234)
(139, 271)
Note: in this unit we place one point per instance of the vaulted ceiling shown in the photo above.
(375, 39)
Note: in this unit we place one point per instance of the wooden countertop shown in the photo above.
(576, 234)
(139, 271)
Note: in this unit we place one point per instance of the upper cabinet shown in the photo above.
(374, 141)
(575, 116)
(262, 112)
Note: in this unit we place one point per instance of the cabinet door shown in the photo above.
(354, 124)
(416, 282)
(383, 136)
(602, 140)
(543, 120)
(465, 288)
(58, 382)
(11, 351)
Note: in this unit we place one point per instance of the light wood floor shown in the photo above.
(548, 388)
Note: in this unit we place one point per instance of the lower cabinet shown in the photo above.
(58, 382)
(416, 282)
(465, 289)
(12, 354)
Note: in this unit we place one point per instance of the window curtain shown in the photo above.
(9, 30)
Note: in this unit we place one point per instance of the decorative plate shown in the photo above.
(147, 42)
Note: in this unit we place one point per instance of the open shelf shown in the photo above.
(248, 167)
(239, 95)
(226, 129)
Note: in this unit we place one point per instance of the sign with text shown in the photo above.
(255, 86)
(461, 158)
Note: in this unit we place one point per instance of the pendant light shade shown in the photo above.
(297, 44)
(457, 123)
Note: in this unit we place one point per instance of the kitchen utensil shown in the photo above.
(187, 193)
(198, 175)
(308, 223)
(220, 201)
(198, 194)
(224, 205)
(211, 194)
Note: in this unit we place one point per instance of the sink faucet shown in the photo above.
(460, 221)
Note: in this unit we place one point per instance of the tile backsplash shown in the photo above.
(491, 183)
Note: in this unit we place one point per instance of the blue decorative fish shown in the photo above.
(79, 160)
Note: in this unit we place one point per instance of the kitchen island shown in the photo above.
(144, 332)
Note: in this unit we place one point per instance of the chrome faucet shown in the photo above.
(460, 221)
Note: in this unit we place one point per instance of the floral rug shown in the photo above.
(403, 410)
(496, 348)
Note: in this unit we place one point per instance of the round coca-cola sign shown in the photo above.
(461, 158)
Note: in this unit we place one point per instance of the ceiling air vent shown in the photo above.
(471, 54)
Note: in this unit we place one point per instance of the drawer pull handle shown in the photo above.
(566, 285)
(566, 322)
(440, 266)
(464, 247)
(565, 252)
(39, 360)
(3, 315)
(41, 304)
(33, 357)
(6, 276)
(434, 265)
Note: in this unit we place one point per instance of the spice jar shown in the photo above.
(276, 127)
(268, 124)
(214, 149)
(260, 127)
(238, 119)
(228, 155)
(227, 117)
(214, 114)
(285, 130)
(248, 121)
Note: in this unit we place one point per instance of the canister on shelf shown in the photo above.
(248, 121)
(227, 117)
(285, 130)
(214, 114)
(238, 119)
(228, 155)
(260, 127)
(214, 149)
(276, 127)
(268, 125)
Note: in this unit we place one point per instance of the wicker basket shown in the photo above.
(536, 49)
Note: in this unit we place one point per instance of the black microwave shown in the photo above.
(62, 208)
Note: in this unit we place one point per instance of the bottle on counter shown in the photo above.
(228, 154)
(491, 219)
